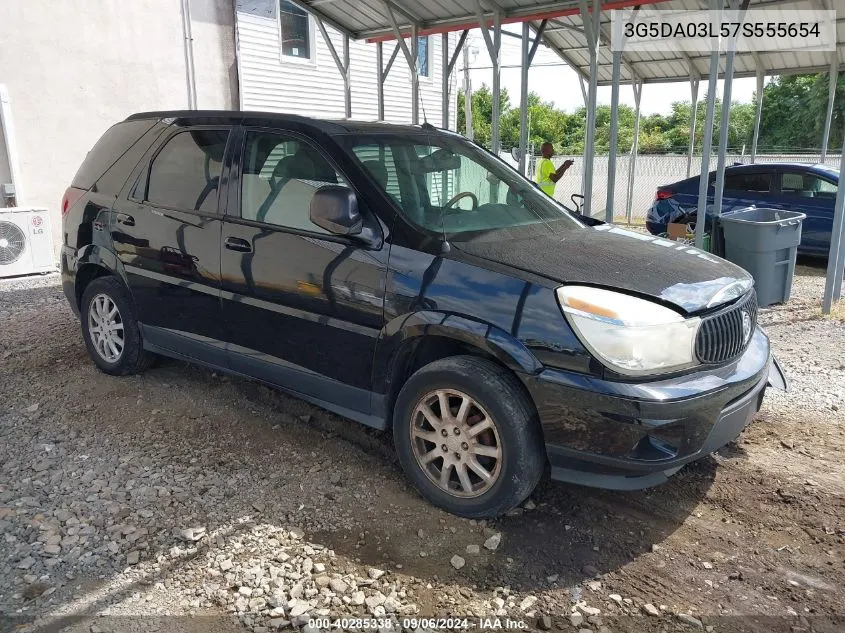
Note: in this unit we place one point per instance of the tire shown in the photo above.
(132, 357)
(516, 437)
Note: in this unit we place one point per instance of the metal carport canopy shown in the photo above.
(564, 35)
(580, 37)
(370, 19)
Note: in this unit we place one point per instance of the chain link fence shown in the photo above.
(651, 171)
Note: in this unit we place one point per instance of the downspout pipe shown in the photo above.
(190, 73)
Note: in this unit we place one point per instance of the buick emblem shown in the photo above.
(746, 327)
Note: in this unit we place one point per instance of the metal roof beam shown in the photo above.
(604, 38)
(536, 43)
(405, 13)
(569, 61)
(508, 16)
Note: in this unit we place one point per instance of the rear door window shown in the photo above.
(806, 185)
(185, 174)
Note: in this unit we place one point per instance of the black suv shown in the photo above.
(405, 278)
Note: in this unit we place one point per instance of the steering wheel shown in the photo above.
(461, 196)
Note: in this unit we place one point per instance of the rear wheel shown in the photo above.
(468, 437)
(110, 328)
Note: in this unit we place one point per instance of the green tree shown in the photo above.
(482, 113)
(794, 111)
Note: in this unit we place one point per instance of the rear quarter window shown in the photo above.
(114, 144)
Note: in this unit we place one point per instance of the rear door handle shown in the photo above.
(123, 218)
(237, 244)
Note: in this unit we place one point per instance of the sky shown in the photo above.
(560, 84)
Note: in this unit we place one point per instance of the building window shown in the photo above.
(422, 56)
(295, 31)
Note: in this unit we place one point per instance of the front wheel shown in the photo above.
(468, 437)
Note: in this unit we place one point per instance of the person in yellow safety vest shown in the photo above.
(547, 175)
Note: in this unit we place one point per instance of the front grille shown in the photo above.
(724, 336)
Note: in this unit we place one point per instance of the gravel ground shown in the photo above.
(125, 502)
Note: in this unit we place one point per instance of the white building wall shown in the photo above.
(271, 82)
(75, 67)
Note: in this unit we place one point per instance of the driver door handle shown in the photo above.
(237, 244)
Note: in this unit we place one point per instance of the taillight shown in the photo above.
(72, 194)
(663, 194)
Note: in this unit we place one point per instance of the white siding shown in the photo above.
(270, 82)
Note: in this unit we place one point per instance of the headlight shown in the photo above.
(629, 335)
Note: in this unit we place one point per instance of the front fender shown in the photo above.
(400, 336)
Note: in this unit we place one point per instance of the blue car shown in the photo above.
(810, 189)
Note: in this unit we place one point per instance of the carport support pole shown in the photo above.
(347, 79)
(831, 96)
(614, 136)
(724, 130)
(467, 97)
(523, 98)
(527, 57)
(707, 142)
(496, 58)
(415, 75)
(494, 48)
(836, 256)
(343, 67)
(380, 79)
(694, 83)
(591, 21)
(637, 85)
(410, 58)
(382, 74)
(761, 78)
(446, 74)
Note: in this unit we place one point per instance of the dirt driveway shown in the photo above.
(183, 492)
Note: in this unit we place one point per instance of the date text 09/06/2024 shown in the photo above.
(413, 623)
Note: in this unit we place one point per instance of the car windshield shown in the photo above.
(452, 187)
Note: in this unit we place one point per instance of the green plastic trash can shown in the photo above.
(764, 242)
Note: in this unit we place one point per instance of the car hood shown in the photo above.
(615, 258)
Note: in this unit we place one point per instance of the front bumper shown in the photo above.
(628, 436)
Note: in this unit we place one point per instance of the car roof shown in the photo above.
(818, 168)
(247, 117)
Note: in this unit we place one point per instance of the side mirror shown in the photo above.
(335, 208)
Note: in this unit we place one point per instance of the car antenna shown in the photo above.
(426, 125)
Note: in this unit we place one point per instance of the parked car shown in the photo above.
(810, 189)
(405, 278)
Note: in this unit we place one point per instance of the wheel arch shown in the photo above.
(413, 341)
(94, 262)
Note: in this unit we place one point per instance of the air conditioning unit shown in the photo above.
(26, 242)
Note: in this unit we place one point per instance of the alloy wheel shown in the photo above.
(456, 443)
(105, 326)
